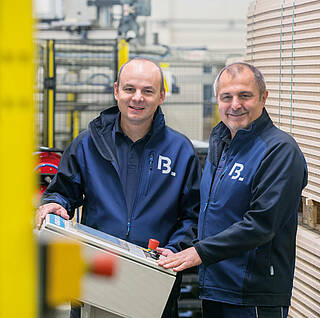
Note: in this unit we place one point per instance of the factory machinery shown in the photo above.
(139, 287)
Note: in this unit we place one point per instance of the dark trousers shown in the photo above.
(170, 310)
(213, 309)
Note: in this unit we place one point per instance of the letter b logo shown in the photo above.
(164, 163)
(235, 171)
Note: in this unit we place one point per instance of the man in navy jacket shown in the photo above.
(134, 177)
(250, 193)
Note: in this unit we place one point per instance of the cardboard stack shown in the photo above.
(283, 41)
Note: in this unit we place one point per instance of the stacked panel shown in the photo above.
(283, 41)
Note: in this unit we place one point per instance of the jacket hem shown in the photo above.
(247, 299)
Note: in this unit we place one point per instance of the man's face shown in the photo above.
(138, 94)
(239, 100)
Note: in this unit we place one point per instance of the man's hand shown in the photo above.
(45, 209)
(182, 260)
(164, 251)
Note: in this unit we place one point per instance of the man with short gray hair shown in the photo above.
(250, 192)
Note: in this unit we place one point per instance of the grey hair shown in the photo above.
(238, 67)
(162, 88)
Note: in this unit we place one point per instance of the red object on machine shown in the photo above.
(47, 167)
(104, 265)
(153, 244)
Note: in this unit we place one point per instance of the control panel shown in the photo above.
(137, 282)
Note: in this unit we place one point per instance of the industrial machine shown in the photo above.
(48, 162)
(139, 288)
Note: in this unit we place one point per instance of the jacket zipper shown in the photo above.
(128, 228)
(219, 181)
(137, 195)
(209, 195)
(205, 208)
(149, 173)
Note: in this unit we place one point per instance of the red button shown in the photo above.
(153, 244)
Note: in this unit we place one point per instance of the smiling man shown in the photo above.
(135, 177)
(250, 193)
(138, 92)
(240, 98)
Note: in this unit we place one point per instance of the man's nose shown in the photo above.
(235, 104)
(137, 95)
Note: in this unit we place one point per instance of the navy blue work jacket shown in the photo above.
(248, 219)
(166, 205)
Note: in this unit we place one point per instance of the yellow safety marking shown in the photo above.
(18, 266)
(50, 118)
(51, 59)
(69, 118)
(75, 124)
(215, 115)
(71, 97)
(123, 53)
(165, 84)
(164, 65)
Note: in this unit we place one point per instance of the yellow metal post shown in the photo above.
(123, 52)
(165, 67)
(17, 185)
(48, 94)
(75, 117)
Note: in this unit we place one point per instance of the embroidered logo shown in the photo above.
(235, 171)
(164, 164)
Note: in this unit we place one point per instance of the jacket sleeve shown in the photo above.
(189, 205)
(66, 187)
(275, 195)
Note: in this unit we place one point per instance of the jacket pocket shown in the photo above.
(259, 272)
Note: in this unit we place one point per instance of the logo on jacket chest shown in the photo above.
(235, 172)
(164, 164)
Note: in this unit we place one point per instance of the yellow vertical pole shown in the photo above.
(123, 52)
(17, 185)
(75, 118)
(49, 94)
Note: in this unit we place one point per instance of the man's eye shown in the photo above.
(148, 91)
(226, 98)
(245, 96)
(128, 89)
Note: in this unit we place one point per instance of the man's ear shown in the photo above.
(162, 96)
(264, 97)
(115, 90)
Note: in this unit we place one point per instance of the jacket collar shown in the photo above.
(221, 133)
(101, 130)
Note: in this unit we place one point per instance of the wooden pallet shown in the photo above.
(311, 213)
